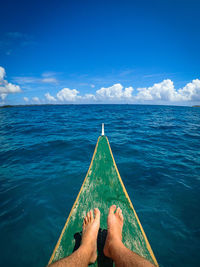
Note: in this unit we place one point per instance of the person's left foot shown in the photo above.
(91, 226)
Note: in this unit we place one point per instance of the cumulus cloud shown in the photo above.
(89, 97)
(9, 88)
(191, 92)
(128, 92)
(50, 97)
(114, 92)
(159, 91)
(26, 99)
(165, 91)
(68, 95)
(6, 87)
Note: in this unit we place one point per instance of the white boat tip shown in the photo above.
(102, 133)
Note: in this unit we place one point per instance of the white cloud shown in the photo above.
(49, 77)
(163, 92)
(9, 87)
(34, 80)
(89, 97)
(67, 94)
(5, 86)
(50, 97)
(36, 99)
(114, 92)
(191, 92)
(3, 96)
(2, 73)
(46, 77)
(25, 80)
(49, 80)
(159, 91)
(128, 92)
(166, 92)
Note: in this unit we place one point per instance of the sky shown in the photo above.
(95, 52)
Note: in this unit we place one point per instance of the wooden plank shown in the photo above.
(101, 188)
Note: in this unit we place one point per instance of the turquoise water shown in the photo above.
(45, 152)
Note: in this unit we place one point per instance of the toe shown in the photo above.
(121, 215)
(112, 209)
(91, 216)
(96, 213)
(118, 210)
(88, 216)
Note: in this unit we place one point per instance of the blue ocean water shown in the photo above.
(45, 152)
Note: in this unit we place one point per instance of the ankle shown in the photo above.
(86, 246)
(86, 252)
(112, 247)
(114, 239)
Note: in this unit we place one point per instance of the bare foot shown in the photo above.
(114, 235)
(89, 234)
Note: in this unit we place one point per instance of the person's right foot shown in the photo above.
(114, 235)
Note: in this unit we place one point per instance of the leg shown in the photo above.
(87, 252)
(115, 249)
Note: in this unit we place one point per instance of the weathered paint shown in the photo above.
(101, 188)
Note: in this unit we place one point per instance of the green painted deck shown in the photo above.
(101, 188)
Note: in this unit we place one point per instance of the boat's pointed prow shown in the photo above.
(102, 188)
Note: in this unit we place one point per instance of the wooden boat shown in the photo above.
(101, 188)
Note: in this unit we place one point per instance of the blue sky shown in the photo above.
(100, 52)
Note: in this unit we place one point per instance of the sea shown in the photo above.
(45, 152)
